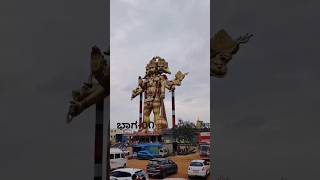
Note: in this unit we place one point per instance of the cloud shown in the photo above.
(156, 29)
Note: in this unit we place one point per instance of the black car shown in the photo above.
(161, 167)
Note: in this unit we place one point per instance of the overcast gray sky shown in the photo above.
(177, 30)
(266, 111)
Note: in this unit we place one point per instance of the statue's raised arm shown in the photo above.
(170, 85)
(178, 78)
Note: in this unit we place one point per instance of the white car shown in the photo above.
(117, 158)
(128, 174)
(199, 168)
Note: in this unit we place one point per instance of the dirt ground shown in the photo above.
(182, 161)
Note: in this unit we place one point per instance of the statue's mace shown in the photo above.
(94, 93)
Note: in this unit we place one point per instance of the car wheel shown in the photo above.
(163, 175)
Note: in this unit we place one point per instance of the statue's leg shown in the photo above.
(156, 110)
(147, 108)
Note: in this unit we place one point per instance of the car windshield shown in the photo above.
(120, 174)
(140, 174)
(164, 162)
(204, 148)
(153, 162)
(199, 164)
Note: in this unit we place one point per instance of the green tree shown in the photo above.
(184, 131)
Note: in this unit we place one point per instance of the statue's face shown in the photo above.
(163, 66)
(219, 64)
(150, 69)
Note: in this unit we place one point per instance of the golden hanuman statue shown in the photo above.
(153, 85)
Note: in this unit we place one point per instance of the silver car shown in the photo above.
(129, 174)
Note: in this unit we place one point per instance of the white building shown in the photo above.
(113, 133)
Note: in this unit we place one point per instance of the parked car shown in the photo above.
(117, 158)
(161, 167)
(204, 150)
(134, 155)
(128, 174)
(127, 153)
(145, 155)
(185, 149)
(199, 168)
(163, 152)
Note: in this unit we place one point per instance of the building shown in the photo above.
(199, 124)
(142, 137)
(202, 126)
(116, 135)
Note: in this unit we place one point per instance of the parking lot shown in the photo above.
(182, 161)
